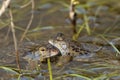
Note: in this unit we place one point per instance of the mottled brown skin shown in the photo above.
(48, 51)
(63, 60)
(42, 52)
(60, 44)
(67, 47)
(39, 54)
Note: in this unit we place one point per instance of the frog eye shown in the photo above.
(42, 49)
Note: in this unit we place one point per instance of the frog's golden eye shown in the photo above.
(42, 49)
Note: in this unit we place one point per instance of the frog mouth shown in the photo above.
(62, 47)
(51, 54)
(36, 55)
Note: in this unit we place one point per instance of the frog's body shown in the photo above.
(70, 49)
(60, 44)
(41, 52)
(67, 46)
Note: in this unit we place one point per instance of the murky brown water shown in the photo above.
(51, 17)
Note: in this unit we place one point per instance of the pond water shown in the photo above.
(51, 17)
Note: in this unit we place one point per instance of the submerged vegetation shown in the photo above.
(25, 24)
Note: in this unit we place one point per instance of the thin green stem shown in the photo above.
(50, 69)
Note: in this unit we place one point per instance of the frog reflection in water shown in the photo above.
(69, 48)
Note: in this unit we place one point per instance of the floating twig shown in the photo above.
(5, 4)
(73, 16)
(29, 23)
(14, 38)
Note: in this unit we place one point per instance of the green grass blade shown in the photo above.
(73, 75)
(77, 75)
(118, 52)
(49, 68)
(19, 77)
(9, 69)
(86, 24)
(75, 37)
(114, 47)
